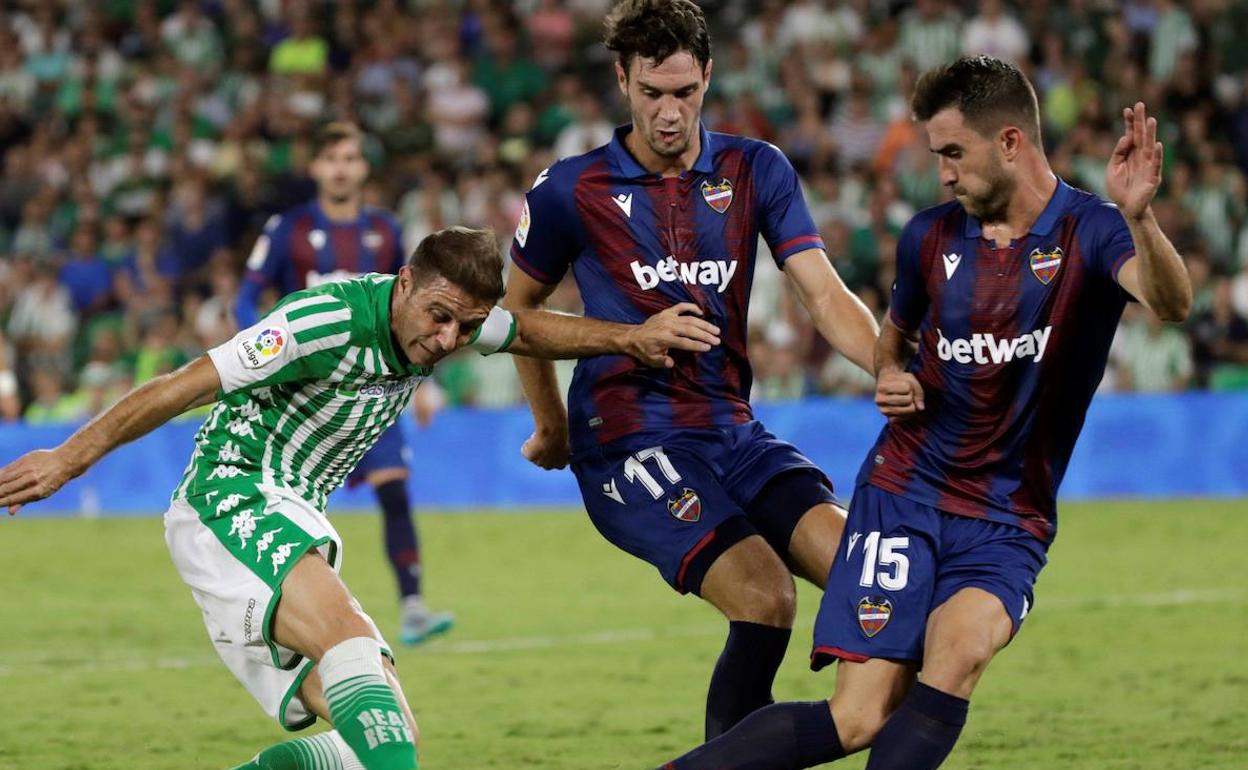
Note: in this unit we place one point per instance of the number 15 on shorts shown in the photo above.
(884, 561)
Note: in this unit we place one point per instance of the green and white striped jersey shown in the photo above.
(304, 394)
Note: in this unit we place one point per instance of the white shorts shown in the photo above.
(238, 606)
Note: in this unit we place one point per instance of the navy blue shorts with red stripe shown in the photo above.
(678, 500)
(899, 560)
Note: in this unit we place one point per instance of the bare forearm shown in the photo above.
(893, 351)
(141, 411)
(541, 389)
(845, 322)
(543, 334)
(1163, 277)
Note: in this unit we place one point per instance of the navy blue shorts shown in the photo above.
(390, 451)
(669, 498)
(899, 560)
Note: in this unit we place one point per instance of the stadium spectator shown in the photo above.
(107, 112)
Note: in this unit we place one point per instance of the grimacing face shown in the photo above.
(970, 165)
(433, 319)
(340, 170)
(665, 99)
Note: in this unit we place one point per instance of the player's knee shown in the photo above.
(337, 624)
(859, 723)
(770, 599)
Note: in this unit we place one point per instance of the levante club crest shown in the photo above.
(873, 614)
(687, 507)
(718, 196)
(1045, 264)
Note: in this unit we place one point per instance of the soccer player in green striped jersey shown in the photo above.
(300, 396)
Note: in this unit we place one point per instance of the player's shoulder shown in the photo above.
(922, 222)
(378, 214)
(563, 175)
(757, 151)
(342, 301)
(1093, 212)
(284, 220)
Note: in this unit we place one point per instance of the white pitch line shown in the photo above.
(104, 664)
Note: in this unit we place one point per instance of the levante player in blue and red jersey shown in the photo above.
(332, 238)
(1012, 294)
(672, 466)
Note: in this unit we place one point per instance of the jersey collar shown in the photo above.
(1044, 223)
(628, 166)
(394, 356)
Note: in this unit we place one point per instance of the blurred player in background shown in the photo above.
(1012, 293)
(300, 397)
(671, 464)
(332, 238)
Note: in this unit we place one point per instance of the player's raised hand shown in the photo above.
(548, 449)
(679, 327)
(898, 394)
(32, 477)
(1134, 171)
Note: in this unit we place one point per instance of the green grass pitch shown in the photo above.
(569, 655)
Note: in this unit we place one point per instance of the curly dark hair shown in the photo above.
(656, 29)
(989, 92)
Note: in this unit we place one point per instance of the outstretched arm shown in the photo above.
(1156, 275)
(38, 474)
(840, 317)
(544, 334)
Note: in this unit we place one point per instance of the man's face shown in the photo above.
(340, 170)
(970, 164)
(434, 319)
(665, 99)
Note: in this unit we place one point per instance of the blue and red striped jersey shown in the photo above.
(302, 248)
(1012, 344)
(638, 243)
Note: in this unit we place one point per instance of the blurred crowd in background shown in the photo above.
(145, 143)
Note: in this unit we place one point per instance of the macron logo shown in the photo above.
(710, 272)
(951, 264)
(625, 202)
(989, 349)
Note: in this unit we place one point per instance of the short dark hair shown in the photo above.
(656, 29)
(468, 258)
(989, 92)
(335, 132)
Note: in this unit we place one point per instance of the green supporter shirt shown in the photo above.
(305, 392)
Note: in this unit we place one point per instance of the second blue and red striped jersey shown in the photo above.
(1013, 342)
(638, 243)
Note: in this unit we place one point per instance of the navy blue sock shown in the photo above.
(921, 732)
(402, 542)
(741, 682)
(782, 736)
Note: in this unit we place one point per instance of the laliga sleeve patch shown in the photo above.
(522, 229)
(260, 350)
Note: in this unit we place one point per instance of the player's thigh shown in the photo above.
(316, 611)
(867, 693)
(236, 565)
(787, 498)
(815, 540)
(312, 695)
(982, 596)
(880, 588)
(663, 505)
(749, 582)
